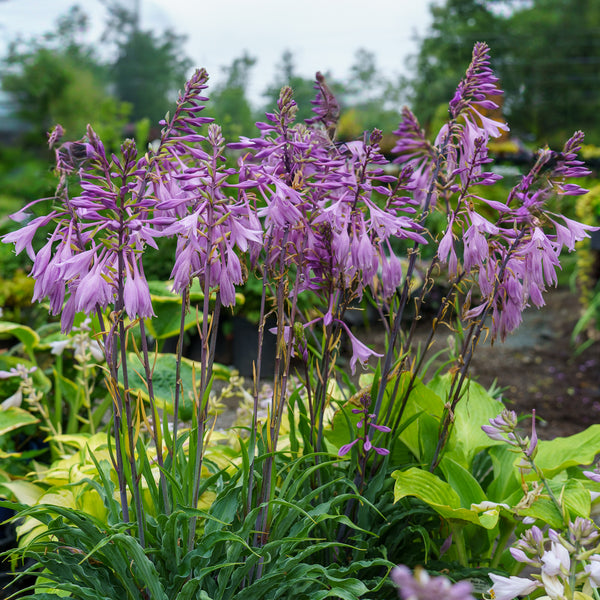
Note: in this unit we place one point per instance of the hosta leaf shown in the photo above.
(473, 410)
(506, 475)
(421, 414)
(24, 492)
(27, 336)
(164, 380)
(562, 452)
(433, 491)
(13, 418)
(460, 480)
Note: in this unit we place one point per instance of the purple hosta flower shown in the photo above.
(415, 151)
(360, 231)
(330, 211)
(364, 425)
(421, 586)
(446, 251)
(476, 243)
(23, 237)
(509, 588)
(503, 428)
(360, 352)
(96, 234)
(583, 531)
(593, 475)
(325, 107)
(475, 90)
(571, 232)
(214, 226)
(529, 548)
(531, 449)
(136, 293)
(55, 135)
(183, 126)
(462, 143)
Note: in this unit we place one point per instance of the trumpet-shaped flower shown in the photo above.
(509, 588)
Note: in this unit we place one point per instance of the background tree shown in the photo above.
(303, 88)
(149, 69)
(550, 71)
(370, 99)
(546, 53)
(445, 51)
(58, 79)
(228, 102)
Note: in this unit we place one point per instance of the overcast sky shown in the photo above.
(322, 34)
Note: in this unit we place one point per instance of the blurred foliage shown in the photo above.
(588, 261)
(302, 87)
(149, 68)
(228, 102)
(59, 80)
(545, 52)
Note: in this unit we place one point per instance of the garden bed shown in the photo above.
(538, 367)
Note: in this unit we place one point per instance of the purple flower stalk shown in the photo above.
(364, 426)
(503, 428)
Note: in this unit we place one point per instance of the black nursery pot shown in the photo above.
(8, 542)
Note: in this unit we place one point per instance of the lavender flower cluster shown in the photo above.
(301, 201)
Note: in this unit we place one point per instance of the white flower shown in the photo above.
(489, 507)
(556, 560)
(593, 570)
(96, 351)
(553, 586)
(13, 401)
(508, 588)
(58, 347)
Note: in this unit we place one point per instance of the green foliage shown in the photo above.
(586, 330)
(148, 72)
(545, 53)
(303, 88)
(59, 85)
(469, 502)
(228, 103)
(79, 553)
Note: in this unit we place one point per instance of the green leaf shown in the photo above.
(13, 418)
(164, 382)
(167, 322)
(25, 492)
(575, 497)
(435, 492)
(27, 336)
(422, 413)
(167, 308)
(465, 485)
(506, 475)
(562, 452)
(473, 410)
(71, 392)
(544, 510)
